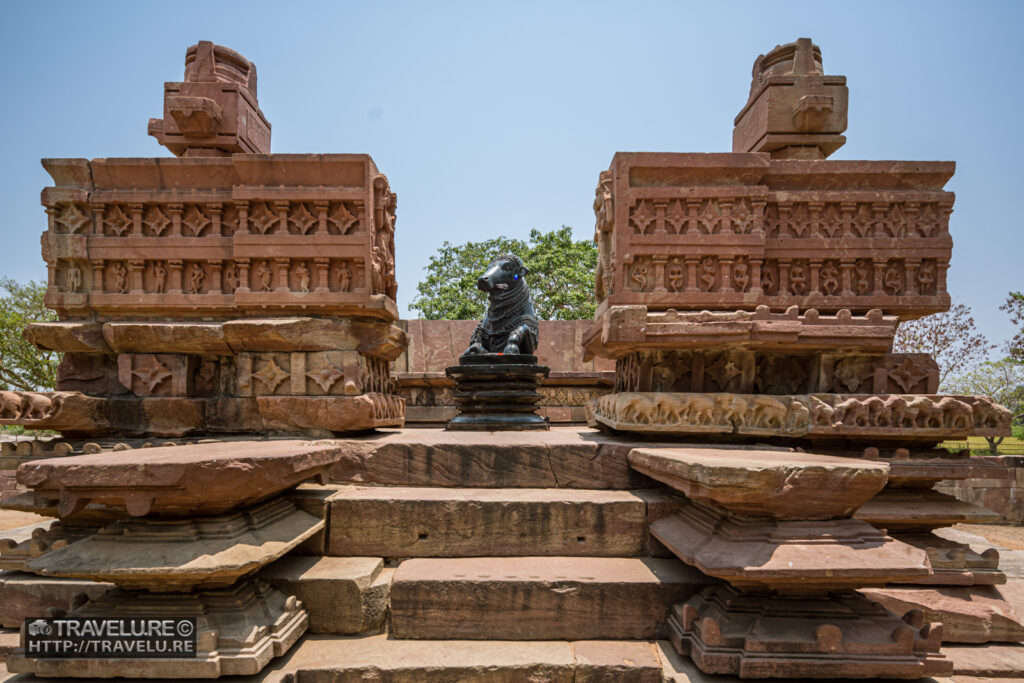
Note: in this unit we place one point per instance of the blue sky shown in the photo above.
(494, 118)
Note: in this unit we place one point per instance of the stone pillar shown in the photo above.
(323, 267)
(175, 210)
(98, 266)
(216, 212)
(691, 274)
(136, 213)
(243, 274)
(216, 269)
(135, 271)
(659, 268)
(283, 266)
(321, 207)
(175, 268)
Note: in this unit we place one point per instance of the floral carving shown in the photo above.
(155, 222)
(641, 216)
(271, 375)
(301, 221)
(195, 220)
(117, 221)
(72, 218)
(262, 219)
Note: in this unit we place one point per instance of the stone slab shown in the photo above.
(43, 539)
(564, 457)
(379, 339)
(166, 337)
(537, 598)
(241, 629)
(992, 661)
(955, 564)
(322, 659)
(343, 595)
(788, 555)
(912, 509)
(198, 479)
(765, 483)
(396, 521)
(679, 669)
(729, 632)
(968, 614)
(180, 554)
(328, 415)
(66, 336)
(26, 595)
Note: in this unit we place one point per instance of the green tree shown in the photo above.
(23, 366)
(561, 276)
(951, 338)
(1015, 307)
(1003, 380)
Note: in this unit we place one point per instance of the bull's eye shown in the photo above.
(506, 266)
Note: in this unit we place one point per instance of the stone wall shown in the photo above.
(437, 344)
(1003, 494)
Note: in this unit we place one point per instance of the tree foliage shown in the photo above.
(22, 365)
(561, 276)
(1015, 307)
(951, 338)
(1002, 379)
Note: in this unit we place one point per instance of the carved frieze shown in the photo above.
(306, 233)
(710, 231)
(820, 416)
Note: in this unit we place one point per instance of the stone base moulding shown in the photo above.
(239, 630)
(181, 554)
(841, 635)
(955, 564)
(495, 392)
(787, 555)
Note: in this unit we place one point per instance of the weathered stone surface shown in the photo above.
(178, 555)
(347, 660)
(198, 479)
(795, 111)
(843, 635)
(991, 662)
(560, 458)
(457, 522)
(166, 337)
(616, 660)
(62, 411)
(312, 499)
(326, 415)
(343, 595)
(378, 339)
(67, 336)
(975, 614)
(241, 629)
(953, 563)
(684, 335)
(25, 595)
(786, 554)
(765, 483)
(213, 112)
(912, 509)
(537, 598)
(8, 643)
(19, 548)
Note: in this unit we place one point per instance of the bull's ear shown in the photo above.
(523, 271)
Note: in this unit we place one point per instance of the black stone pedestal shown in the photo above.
(496, 392)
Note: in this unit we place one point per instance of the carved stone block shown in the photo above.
(209, 478)
(954, 564)
(177, 555)
(156, 374)
(787, 555)
(844, 635)
(240, 629)
(804, 486)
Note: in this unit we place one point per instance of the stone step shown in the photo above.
(401, 522)
(538, 598)
(343, 595)
(563, 457)
(324, 659)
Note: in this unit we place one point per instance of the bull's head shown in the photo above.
(502, 274)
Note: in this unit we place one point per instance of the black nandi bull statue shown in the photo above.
(510, 325)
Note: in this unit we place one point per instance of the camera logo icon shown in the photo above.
(39, 627)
